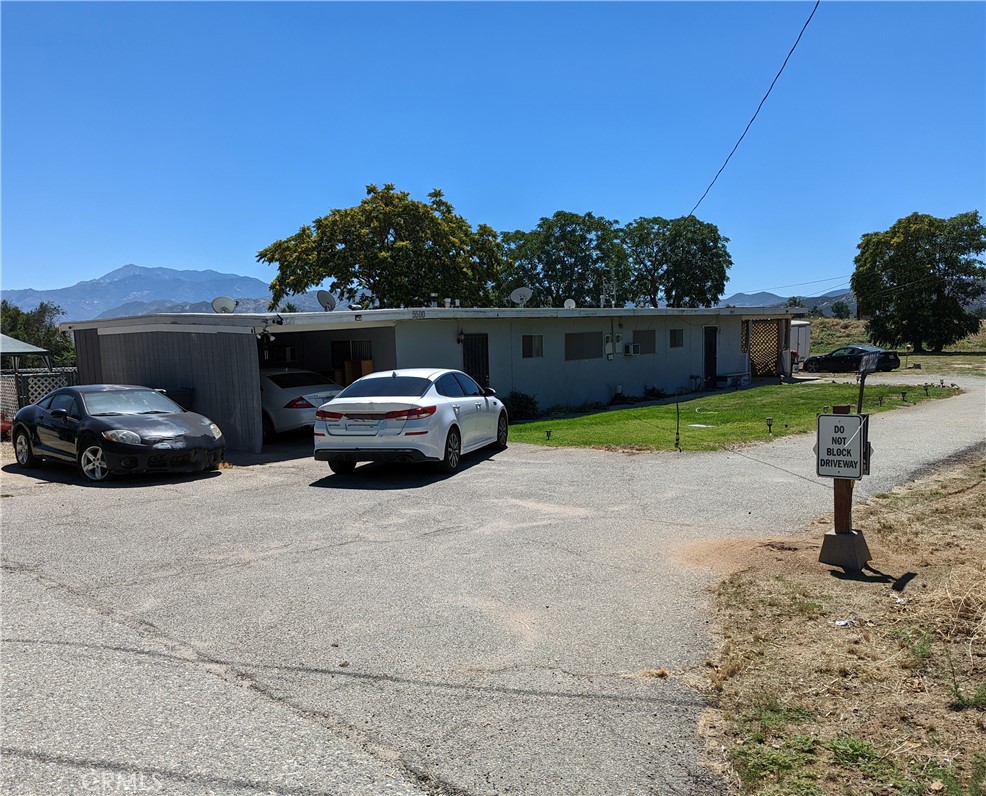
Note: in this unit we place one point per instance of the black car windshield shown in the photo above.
(387, 387)
(129, 402)
(287, 381)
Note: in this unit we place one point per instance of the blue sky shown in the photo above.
(191, 135)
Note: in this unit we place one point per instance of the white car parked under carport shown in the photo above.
(290, 396)
(410, 415)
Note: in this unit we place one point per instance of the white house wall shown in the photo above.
(552, 379)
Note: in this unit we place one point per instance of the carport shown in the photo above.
(211, 363)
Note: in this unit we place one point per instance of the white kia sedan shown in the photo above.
(290, 396)
(412, 415)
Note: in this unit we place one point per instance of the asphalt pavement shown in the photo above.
(272, 628)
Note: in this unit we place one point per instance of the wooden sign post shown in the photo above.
(843, 449)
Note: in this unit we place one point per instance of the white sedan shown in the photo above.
(412, 415)
(290, 396)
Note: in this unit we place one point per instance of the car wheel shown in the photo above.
(341, 466)
(22, 449)
(268, 427)
(453, 452)
(92, 461)
(502, 429)
(811, 367)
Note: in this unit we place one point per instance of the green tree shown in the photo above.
(38, 327)
(794, 301)
(683, 260)
(841, 310)
(915, 281)
(389, 251)
(568, 256)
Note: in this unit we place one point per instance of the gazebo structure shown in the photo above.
(15, 349)
(20, 386)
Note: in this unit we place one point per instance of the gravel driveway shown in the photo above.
(276, 629)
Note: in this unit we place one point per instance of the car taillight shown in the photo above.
(415, 413)
(325, 414)
(299, 403)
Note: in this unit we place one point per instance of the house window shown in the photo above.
(646, 339)
(532, 345)
(584, 345)
(677, 338)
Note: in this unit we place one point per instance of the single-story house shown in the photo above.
(560, 356)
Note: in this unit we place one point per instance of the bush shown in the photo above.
(521, 406)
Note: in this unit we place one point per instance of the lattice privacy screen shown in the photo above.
(765, 349)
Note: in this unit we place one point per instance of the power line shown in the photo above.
(748, 126)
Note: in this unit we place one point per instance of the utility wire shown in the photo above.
(748, 126)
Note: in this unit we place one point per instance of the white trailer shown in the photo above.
(800, 341)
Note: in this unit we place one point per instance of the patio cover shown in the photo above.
(10, 347)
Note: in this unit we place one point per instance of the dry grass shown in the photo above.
(892, 699)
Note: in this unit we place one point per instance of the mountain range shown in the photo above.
(136, 290)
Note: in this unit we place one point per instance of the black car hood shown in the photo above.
(160, 426)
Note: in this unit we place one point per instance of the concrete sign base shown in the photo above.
(846, 550)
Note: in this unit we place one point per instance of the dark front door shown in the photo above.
(476, 358)
(711, 352)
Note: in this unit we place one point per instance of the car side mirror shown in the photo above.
(59, 414)
(489, 391)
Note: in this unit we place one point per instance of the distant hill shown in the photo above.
(752, 300)
(823, 303)
(136, 287)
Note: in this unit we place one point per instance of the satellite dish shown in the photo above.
(521, 295)
(569, 304)
(326, 299)
(224, 304)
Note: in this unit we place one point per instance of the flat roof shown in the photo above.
(250, 323)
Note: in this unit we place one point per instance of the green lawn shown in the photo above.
(717, 421)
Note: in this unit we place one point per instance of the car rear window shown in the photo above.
(386, 387)
(288, 381)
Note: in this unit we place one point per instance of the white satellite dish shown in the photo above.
(521, 295)
(569, 304)
(326, 299)
(224, 304)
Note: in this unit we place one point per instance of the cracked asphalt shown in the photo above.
(272, 628)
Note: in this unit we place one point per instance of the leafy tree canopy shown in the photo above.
(389, 251)
(915, 280)
(683, 260)
(841, 309)
(568, 256)
(38, 327)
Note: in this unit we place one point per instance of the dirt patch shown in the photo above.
(874, 683)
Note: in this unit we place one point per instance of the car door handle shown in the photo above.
(455, 407)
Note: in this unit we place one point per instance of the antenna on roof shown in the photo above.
(326, 299)
(224, 304)
(521, 296)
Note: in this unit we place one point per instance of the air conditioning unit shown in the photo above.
(631, 349)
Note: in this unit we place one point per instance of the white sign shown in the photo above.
(841, 446)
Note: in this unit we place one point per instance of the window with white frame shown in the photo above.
(532, 345)
(584, 345)
(646, 339)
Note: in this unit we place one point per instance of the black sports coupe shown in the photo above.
(848, 358)
(115, 428)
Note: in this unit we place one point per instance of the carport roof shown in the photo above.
(251, 323)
